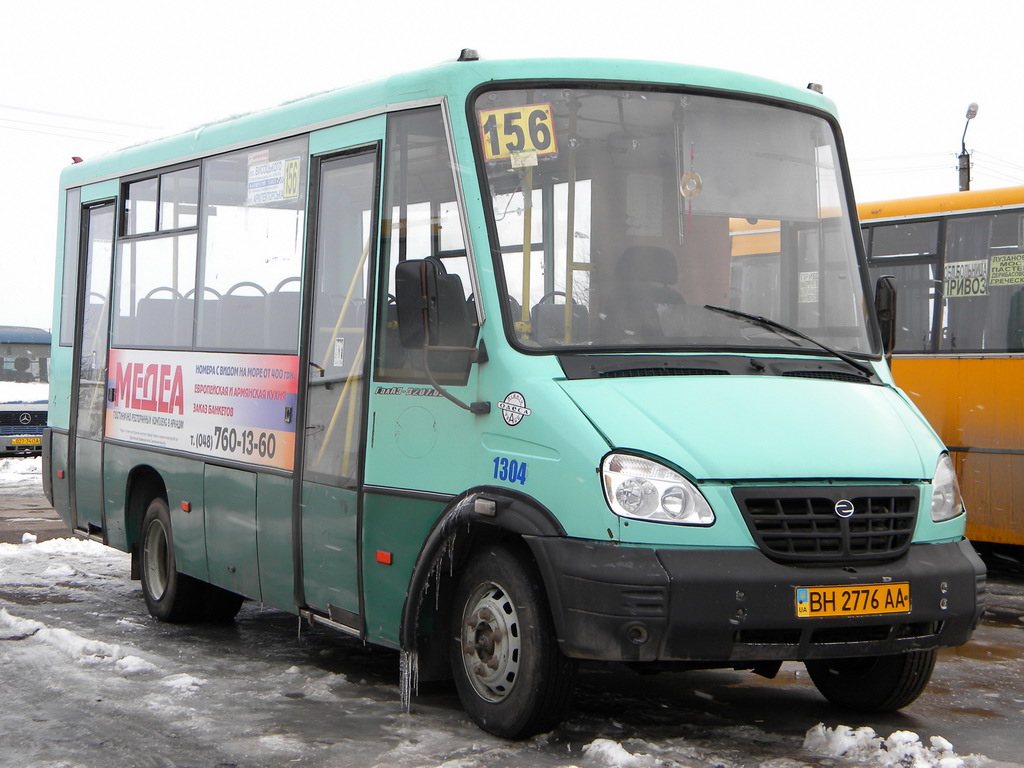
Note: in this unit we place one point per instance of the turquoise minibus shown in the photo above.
(473, 363)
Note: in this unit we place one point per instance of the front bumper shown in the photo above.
(735, 606)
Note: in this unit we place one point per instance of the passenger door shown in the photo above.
(343, 230)
(88, 406)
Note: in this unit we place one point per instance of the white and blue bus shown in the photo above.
(24, 389)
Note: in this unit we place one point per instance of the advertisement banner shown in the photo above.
(229, 406)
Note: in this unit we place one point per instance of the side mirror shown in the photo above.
(885, 311)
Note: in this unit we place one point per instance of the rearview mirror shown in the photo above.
(885, 311)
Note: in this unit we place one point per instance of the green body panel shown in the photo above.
(762, 427)
(183, 478)
(274, 540)
(103, 190)
(397, 527)
(61, 367)
(426, 443)
(230, 496)
(330, 561)
(61, 487)
(348, 135)
(453, 80)
(88, 483)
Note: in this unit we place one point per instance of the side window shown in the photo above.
(421, 220)
(156, 261)
(909, 252)
(253, 220)
(69, 283)
(983, 284)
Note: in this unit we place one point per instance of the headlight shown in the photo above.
(641, 489)
(947, 502)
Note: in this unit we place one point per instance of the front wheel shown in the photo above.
(509, 671)
(873, 683)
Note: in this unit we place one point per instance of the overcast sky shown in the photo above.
(83, 78)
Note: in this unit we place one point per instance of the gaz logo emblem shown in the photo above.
(844, 508)
(513, 408)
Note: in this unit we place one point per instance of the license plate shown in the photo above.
(858, 600)
(26, 441)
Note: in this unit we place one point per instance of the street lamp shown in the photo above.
(965, 159)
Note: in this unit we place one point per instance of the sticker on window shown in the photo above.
(521, 134)
(965, 278)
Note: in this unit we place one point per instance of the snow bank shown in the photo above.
(46, 563)
(21, 466)
(76, 647)
(858, 747)
(903, 749)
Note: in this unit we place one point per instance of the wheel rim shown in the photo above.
(491, 643)
(155, 560)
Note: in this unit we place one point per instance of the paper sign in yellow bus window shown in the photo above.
(518, 132)
(1007, 269)
(965, 278)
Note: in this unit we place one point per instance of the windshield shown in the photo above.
(621, 215)
(24, 362)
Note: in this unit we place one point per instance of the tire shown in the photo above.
(170, 596)
(219, 605)
(510, 674)
(873, 683)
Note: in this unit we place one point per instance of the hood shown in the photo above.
(762, 427)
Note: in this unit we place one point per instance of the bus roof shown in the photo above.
(980, 199)
(16, 334)
(454, 80)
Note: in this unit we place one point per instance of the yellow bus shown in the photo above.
(958, 260)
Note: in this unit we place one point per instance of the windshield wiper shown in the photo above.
(773, 325)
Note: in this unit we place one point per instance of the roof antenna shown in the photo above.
(469, 54)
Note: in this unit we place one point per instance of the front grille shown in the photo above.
(12, 423)
(801, 525)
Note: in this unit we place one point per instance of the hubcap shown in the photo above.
(155, 560)
(491, 644)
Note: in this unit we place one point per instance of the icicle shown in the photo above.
(409, 681)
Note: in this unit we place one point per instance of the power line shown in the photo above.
(11, 123)
(80, 117)
(58, 133)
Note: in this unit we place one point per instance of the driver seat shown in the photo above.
(647, 274)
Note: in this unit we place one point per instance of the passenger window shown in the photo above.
(983, 284)
(422, 221)
(155, 292)
(155, 273)
(254, 204)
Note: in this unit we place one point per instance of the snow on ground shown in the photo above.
(21, 473)
(131, 652)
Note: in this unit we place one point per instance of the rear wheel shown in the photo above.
(509, 671)
(170, 596)
(874, 683)
(219, 605)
